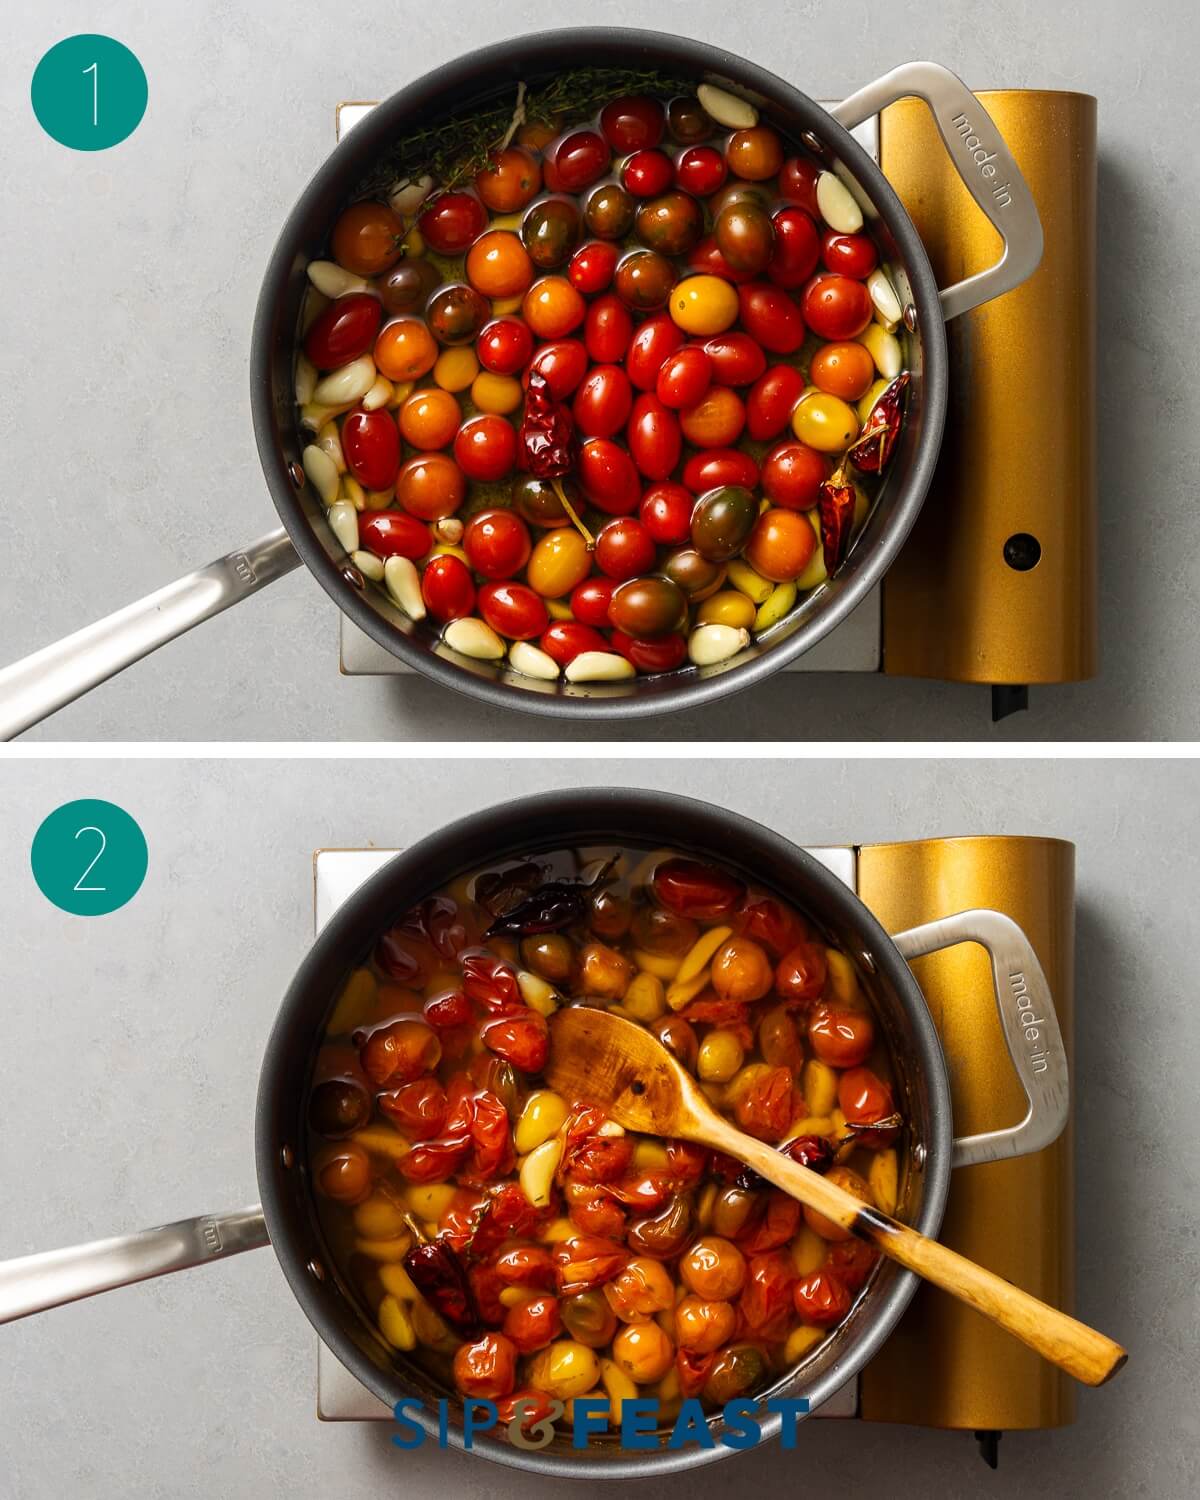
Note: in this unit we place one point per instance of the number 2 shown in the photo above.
(79, 885)
(94, 70)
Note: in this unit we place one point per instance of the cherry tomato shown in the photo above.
(393, 533)
(684, 377)
(700, 170)
(343, 1173)
(399, 1051)
(849, 254)
(504, 346)
(607, 329)
(756, 153)
(781, 545)
(510, 180)
(609, 477)
(344, 331)
(744, 236)
(553, 308)
(654, 340)
(497, 543)
(430, 486)
(513, 610)
(455, 314)
(648, 173)
(632, 122)
(702, 892)
(590, 269)
(609, 211)
(771, 401)
(714, 467)
(822, 1298)
(792, 476)
(575, 161)
(735, 358)
(452, 221)
(853, 1260)
(865, 1099)
(643, 280)
(697, 576)
(654, 437)
(590, 600)
(797, 248)
(646, 608)
(841, 1038)
(449, 594)
(844, 370)
(418, 1108)
(405, 350)
(661, 655)
(533, 1324)
(716, 421)
(836, 307)
(560, 561)
(406, 287)
(602, 402)
(800, 974)
(563, 363)
(771, 316)
(798, 184)
(486, 447)
(564, 640)
(367, 238)
(624, 548)
(708, 260)
(486, 1368)
(550, 230)
(666, 513)
(371, 444)
(430, 418)
(671, 223)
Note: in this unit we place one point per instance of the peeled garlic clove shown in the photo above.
(537, 992)
(773, 609)
(379, 395)
(537, 1171)
(838, 206)
(403, 583)
(474, 638)
(311, 308)
(533, 661)
(599, 666)
(448, 529)
(748, 582)
(368, 565)
(313, 416)
(329, 279)
(726, 108)
(343, 522)
(329, 441)
(708, 644)
(401, 392)
(886, 303)
(306, 380)
(346, 385)
(815, 573)
(407, 196)
(354, 492)
(884, 349)
(322, 472)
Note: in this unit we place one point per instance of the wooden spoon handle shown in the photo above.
(1083, 1352)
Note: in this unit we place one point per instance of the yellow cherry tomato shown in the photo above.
(873, 394)
(456, 368)
(559, 561)
(825, 422)
(704, 305)
(729, 607)
(496, 393)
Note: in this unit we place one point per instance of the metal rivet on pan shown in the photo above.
(910, 317)
(354, 578)
(814, 143)
(286, 1157)
(867, 962)
(297, 473)
(918, 1155)
(317, 1269)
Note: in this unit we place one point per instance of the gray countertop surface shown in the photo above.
(132, 276)
(129, 1049)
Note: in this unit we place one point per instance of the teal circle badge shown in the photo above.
(89, 92)
(89, 857)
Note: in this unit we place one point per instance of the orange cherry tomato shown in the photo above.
(841, 1038)
(716, 421)
(510, 180)
(486, 1368)
(844, 370)
(781, 545)
(367, 238)
(431, 486)
(498, 264)
(844, 1177)
(405, 350)
(429, 419)
(756, 153)
(714, 1268)
(553, 308)
(822, 1298)
(866, 1100)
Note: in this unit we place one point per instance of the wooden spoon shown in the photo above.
(601, 1059)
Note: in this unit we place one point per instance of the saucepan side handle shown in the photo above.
(985, 164)
(1030, 1025)
(34, 1283)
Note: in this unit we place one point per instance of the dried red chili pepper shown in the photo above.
(835, 509)
(547, 433)
(873, 447)
(552, 906)
(439, 1275)
(812, 1151)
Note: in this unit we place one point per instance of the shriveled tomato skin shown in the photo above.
(702, 892)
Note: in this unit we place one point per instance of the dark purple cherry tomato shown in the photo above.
(849, 254)
(797, 248)
(497, 543)
(735, 358)
(609, 477)
(654, 340)
(575, 161)
(590, 599)
(700, 170)
(394, 533)
(769, 315)
(550, 230)
(602, 402)
(632, 123)
(707, 257)
(648, 173)
(609, 211)
(654, 436)
(836, 306)
(648, 607)
(452, 221)
(771, 401)
(456, 313)
(371, 444)
(406, 287)
(564, 363)
(684, 378)
(564, 640)
(513, 610)
(695, 575)
(447, 587)
(590, 269)
(643, 280)
(666, 513)
(607, 329)
(722, 522)
(485, 447)
(670, 224)
(344, 331)
(624, 548)
(713, 467)
(661, 655)
(504, 346)
(745, 236)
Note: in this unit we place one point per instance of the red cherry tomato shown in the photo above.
(575, 161)
(371, 444)
(713, 467)
(772, 400)
(632, 122)
(797, 248)
(661, 655)
(666, 513)
(849, 254)
(590, 599)
(504, 346)
(590, 269)
(346, 329)
(513, 610)
(771, 316)
(798, 184)
(707, 258)
(735, 358)
(685, 377)
(563, 363)
(841, 1038)
(394, 533)
(609, 477)
(655, 339)
(607, 329)
(447, 589)
(865, 1099)
(497, 543)
(836, 306)
(452, 221)
(564, 640)
(602, 402)
(648, 173)
(624, 548)
(486, 447)
(822, 1298)
(700, 170)
(792, 475)
(700, 891)
(654, 437)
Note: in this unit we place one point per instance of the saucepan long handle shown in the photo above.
(33, 1283)
(41, 684)
(985, 164)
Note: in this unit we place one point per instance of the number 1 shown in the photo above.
(94, 70)
(79, 885)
